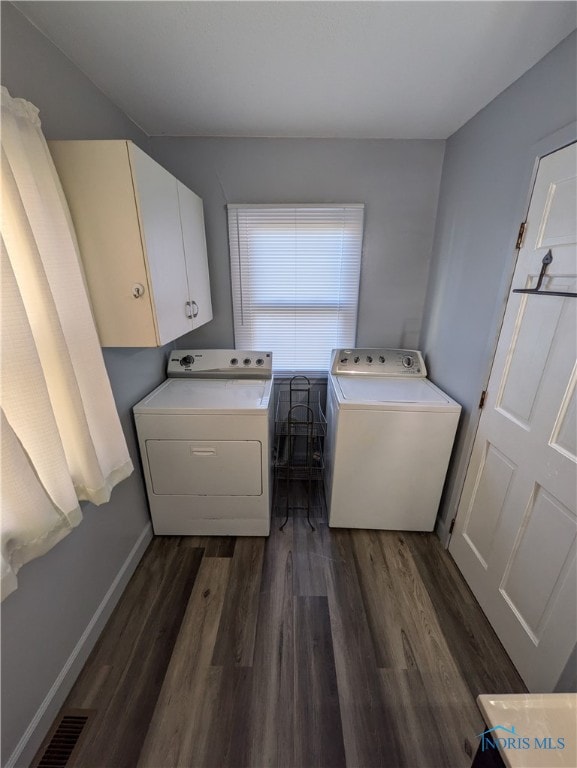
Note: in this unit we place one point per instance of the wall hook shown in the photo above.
(547, 259)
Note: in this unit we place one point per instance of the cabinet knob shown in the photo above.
(137, 290)
(188, 309)
(194, 308)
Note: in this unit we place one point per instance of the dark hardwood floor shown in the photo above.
(310, 648)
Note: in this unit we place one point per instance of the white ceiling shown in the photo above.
(317, 69)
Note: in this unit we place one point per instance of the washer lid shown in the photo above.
(389, 390)
(212, 395)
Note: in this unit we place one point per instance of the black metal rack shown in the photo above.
(300, 427)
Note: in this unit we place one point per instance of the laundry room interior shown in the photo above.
(325, 532)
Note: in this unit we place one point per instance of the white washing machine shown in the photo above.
(390, 433)
(205, 440)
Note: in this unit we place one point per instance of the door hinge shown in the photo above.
(483, 398)
(452, 525)
(521, 234)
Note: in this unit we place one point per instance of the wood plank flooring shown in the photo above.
(322, 648)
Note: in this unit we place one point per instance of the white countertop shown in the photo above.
(540, 728)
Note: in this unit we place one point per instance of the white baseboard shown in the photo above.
(49, 708)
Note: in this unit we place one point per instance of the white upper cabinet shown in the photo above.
(141, 239)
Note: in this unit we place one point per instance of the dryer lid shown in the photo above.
(207, 395)
(389, 390)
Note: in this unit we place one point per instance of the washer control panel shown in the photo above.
(219, 364)
(379, 362)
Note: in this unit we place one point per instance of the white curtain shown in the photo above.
(61, 436)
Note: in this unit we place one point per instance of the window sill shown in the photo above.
(315, 377)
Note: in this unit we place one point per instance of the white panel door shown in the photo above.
(194, 240)
(516, 527)
(158, 209)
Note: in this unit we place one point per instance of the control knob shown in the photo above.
(234, 361)
(247, 361)
(344, 360)
(381, 358)
(369, 359)
(408, 361)
(260, 361)
(187, 360)
(357, 359)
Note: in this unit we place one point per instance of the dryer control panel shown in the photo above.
(219, 364)
(379, 362)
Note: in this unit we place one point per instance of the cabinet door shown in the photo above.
(194, 239)
(97, 181)
(157, 200)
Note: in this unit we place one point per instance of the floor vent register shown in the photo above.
(64, 739)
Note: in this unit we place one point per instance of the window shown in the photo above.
(295, 280)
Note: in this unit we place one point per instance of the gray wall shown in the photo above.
(397, 180)
(486, 177)
(487, 173)
(58, 593)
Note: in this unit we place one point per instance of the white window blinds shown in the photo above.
(295, 280)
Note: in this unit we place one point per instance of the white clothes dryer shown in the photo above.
(390, 432)
(205, 441)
